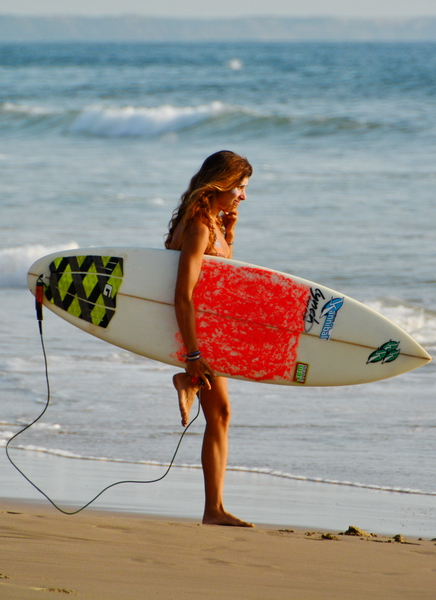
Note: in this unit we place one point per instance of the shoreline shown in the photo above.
(259, 498)
(103, 555)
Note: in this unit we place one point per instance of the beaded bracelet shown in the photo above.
(191, 356)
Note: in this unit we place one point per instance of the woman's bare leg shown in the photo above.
(216, 408)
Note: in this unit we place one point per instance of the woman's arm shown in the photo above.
(190, 262)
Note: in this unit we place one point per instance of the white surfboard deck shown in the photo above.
(252, 323)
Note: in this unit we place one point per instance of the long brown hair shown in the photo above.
(220, 172)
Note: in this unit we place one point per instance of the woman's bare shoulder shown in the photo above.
(196, 233)
(198, 228)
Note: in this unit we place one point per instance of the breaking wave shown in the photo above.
(15, 262)
(418, 322)
(131, 121)
(137, 121)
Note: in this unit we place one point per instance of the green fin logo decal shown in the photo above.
(86, 286)
(387, 353)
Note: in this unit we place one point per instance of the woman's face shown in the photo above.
(229, 201)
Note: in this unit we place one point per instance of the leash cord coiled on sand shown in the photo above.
(38, 304)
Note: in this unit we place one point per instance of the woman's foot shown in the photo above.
(224, 518)
(186, 391)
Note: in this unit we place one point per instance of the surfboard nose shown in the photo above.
(426, 356)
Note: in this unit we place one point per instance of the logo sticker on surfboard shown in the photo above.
(316, 296)
(301, 371)
(330, 312)
(388, 352)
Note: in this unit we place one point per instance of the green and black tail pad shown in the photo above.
(86, 286)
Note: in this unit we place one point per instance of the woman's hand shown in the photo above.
(200, 370)
(229, 222)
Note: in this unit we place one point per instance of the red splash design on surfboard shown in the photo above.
(249, 320)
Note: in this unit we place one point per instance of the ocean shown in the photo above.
(98, 142)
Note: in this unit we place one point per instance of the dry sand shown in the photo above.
(115, 556)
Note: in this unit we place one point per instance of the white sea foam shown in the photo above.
(142, 121)
(52, 427)
(15, 262)
(235, 64)
(26, 110)
(284, 475)
(241, 469)
(5, 436)
(47, 426)
(416, 321)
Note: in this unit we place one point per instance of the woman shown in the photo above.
(204, 223)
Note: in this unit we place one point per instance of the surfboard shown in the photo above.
(252, 322)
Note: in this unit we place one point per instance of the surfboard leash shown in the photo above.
(39, 296)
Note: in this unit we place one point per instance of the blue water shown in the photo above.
(97, 142)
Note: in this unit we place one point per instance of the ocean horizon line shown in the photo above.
(132, 27)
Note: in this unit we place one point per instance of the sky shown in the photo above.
(223, 8)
